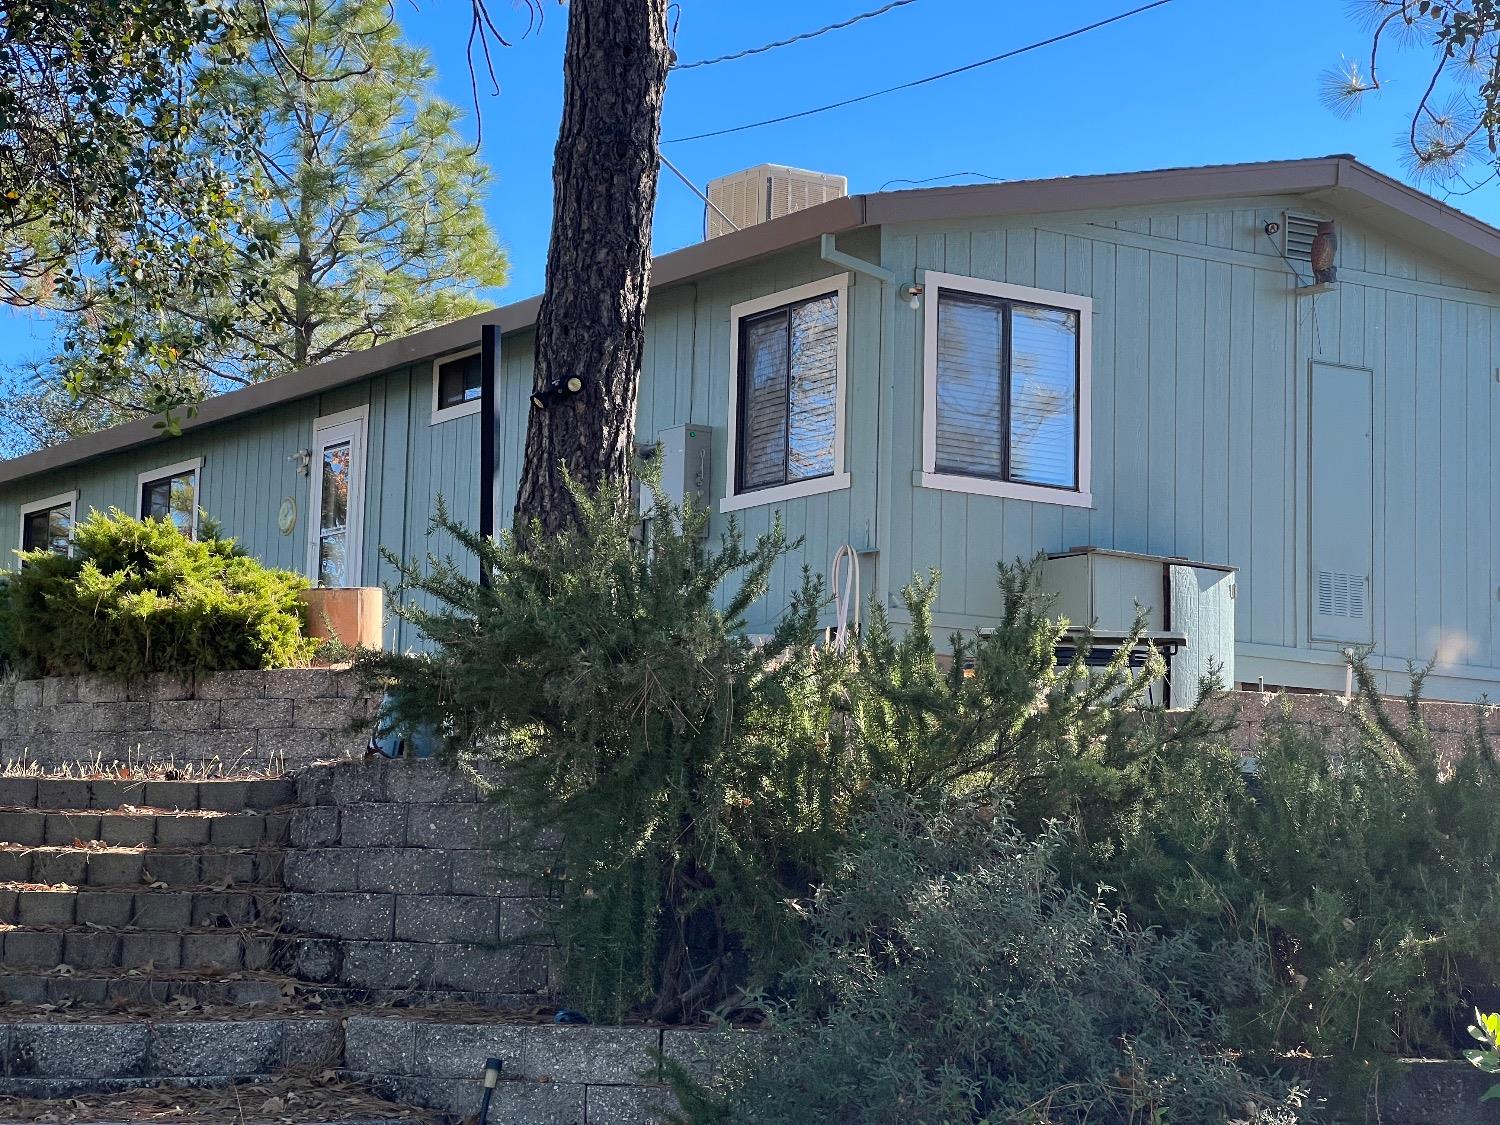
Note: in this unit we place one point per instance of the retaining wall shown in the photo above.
(249, 721)
(1330, 718)
(551, 1076)
(389, 876)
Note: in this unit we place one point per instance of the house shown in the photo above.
(1143, 364)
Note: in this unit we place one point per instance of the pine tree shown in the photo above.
(365, 223)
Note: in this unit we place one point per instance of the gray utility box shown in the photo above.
(686, 458)
(1189, 609)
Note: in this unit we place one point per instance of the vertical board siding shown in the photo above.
(1200, 387)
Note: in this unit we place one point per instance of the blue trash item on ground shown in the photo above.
(391, 741)
(568, 1015)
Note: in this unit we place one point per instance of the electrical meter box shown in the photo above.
(686, 458)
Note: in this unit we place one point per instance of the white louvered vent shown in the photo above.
(1299, 232)
(1341, 595)
(765, 192)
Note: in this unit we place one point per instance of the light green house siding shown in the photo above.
(1201, 446)
(1201, 367)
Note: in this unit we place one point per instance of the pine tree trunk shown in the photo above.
(592, 319)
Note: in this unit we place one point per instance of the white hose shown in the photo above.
(844, 577)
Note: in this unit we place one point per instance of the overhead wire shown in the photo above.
(892, 6)
(1038, 45)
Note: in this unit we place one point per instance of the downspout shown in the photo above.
(870, 550)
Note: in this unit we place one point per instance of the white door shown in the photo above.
(1342, 482)
(336, 512)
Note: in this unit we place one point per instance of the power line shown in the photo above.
(924, 81)
(796, 38)
(945, 176)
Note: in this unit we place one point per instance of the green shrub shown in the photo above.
(138, 596)
(672, 782)
(953, 978)
(1368, 872)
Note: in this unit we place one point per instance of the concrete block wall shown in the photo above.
(557, 1075)
(1329, 718)
(248, 721)
(389, 879)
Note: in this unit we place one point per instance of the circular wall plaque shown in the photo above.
(286, 516)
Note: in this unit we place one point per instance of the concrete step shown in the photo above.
(321, 1099)
(220, 795)
(503, 976)
(38, 904)
(133, 828)
(107, 866)
(113, 989)
(60, 1057)
(88, 947)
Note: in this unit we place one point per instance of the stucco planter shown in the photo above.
(354, 616)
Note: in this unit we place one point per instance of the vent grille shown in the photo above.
(1299, 232)
(1341, 595)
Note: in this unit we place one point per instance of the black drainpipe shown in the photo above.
(489, 429)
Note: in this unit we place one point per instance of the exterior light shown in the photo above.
(544, 398)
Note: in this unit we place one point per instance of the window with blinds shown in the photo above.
(788, 394)
(1007, 390)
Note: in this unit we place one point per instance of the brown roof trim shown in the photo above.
(1340, 179)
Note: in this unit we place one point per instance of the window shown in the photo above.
(787, 426)
(335, 545)
(1006, 391)
(456, 382)
(173, 493)
(47, 525)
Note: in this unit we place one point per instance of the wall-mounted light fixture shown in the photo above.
(913, 294)
(544, 398)
(303, 459)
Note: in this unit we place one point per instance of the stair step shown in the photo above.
(106, 989)
(518, 974)
(218, 794)
(38, 904)
(273, 1101)
(105, 866)
(142, 827)
(104, 948)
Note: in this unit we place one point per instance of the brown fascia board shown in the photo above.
(1085, 193)
(1341, 180)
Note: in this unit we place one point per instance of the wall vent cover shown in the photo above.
(1341, 595)
(1298, 231)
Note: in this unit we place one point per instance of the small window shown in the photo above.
(47, 525)
(172, 493)
(1007, 391)
(788, 395)
(456, 386)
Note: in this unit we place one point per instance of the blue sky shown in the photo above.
(1194, 82)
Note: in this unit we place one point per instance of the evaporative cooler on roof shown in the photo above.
(765, 192)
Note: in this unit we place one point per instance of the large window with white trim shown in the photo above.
(173, 493)
(47, 525)
(1006, 390)
(787, 428)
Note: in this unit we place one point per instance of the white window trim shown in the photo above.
(463, 409)
(355, 535)
(193, 465)
(928, 476)
(734, 501)
(62, 498)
